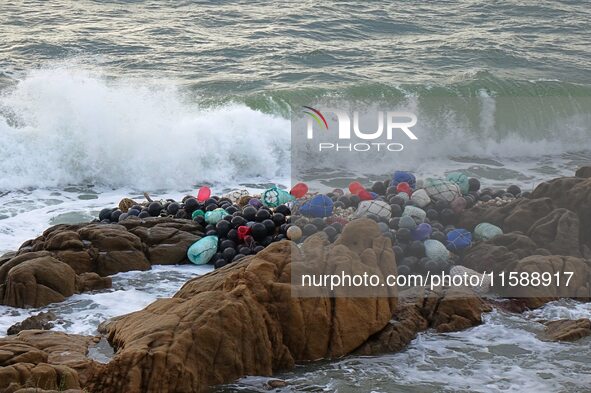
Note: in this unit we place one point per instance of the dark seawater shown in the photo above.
(105, 99)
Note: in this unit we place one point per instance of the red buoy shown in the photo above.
(404, 187)
(203, 194)
(299, 190)
(355, 187)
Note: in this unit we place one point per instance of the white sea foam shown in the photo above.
(67, 126)
(505, 354)
(82, 313)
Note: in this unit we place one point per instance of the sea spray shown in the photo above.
(64, 126)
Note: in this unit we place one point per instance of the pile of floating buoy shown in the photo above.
(419, 217)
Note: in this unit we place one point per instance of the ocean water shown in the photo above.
(101, 100)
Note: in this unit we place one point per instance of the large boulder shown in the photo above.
(45, 360)
(572, 193)
(558, 232)
(584, 172)
(570, 278)
(79, 258)
(517, 215)
(37, 282)
(167, 245)
(242, 319)
(500, 252)
(117, 249)
(442, 309)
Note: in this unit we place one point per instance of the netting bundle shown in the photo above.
(212, 217)
(203, 250)
(275, 196)
(435, 250)
(458, 239)
(318, 206)
(378, 208)
(235, 195)
(461, 180)
(422, 232)
(442, 189)
(404, 177)
(486, 231)
(415, 212)
(420, 198)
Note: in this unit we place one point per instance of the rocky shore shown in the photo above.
(242, 319)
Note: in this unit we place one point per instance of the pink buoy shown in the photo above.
(203, 194)
(299, 190)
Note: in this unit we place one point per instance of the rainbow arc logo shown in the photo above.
(316, 115)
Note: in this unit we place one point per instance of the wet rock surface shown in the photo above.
(567, 330)
(241, 320)
(68, 259)
(45, 361)
(41, 321)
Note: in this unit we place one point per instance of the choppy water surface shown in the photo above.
(105, 99)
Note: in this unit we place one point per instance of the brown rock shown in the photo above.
(44, 360)
(442, 309)
(86, 282)
(113, 262)
(90, 249)
(583, 172)
(517, 215)
(567, 330)
(38, 282)
(125, 204)
(80, 261)
(41, 321)
(572, 193)
(448, 309)
(243, 319)
(276, 383)
(558, 232)
(579, 284)
(525, 213)
(168, 244)
(398, 333)
(500, 252)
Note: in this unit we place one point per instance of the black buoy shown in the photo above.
(249, 213)
(105, 214)
(278, 219)
(191, 204)
(258, 231)
(115, 215)
(222, 228)
(309, 229)
(229, 253)
(262, 214)
(270, 226)
(154, 209)
(173, 208)
(514, 190)
(473, 184)
(238, 221)
(283, 210)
